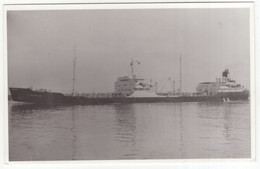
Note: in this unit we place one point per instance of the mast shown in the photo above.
(180, 73)
(74, 65)
(173, 82)
(132, 68)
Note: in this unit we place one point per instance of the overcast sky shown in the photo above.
(41, 47)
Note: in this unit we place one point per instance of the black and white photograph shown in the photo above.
(130, 82)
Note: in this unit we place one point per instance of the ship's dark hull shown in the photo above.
(50, 98)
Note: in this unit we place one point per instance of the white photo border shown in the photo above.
(90, 6)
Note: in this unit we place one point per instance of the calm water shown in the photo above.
(130, 131)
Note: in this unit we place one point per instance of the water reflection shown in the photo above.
(181, 131)
(19, 107)
(26, 113)
(41, 132)
(126, 127)
(227, 125)
(217, 115)
(30, 111)
(73, 133)
(129, 131)
(221, 124)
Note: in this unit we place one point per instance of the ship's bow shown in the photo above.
(20, 94)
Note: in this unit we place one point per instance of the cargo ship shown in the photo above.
(137, 90)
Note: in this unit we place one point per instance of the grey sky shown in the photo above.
(41, 45)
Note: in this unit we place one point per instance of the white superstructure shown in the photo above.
(222, 85)
(134, 87)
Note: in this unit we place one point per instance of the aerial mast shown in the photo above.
(180, 72)
(172, 84)
(74, 65)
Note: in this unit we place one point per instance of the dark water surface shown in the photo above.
(130, 131)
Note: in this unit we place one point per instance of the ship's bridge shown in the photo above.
(127, 86)
(207, 88)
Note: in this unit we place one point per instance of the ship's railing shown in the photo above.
(101, 95)
(42, 90)
(193, 94)
(170, 94)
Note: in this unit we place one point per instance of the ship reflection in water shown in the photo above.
(130, 131)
